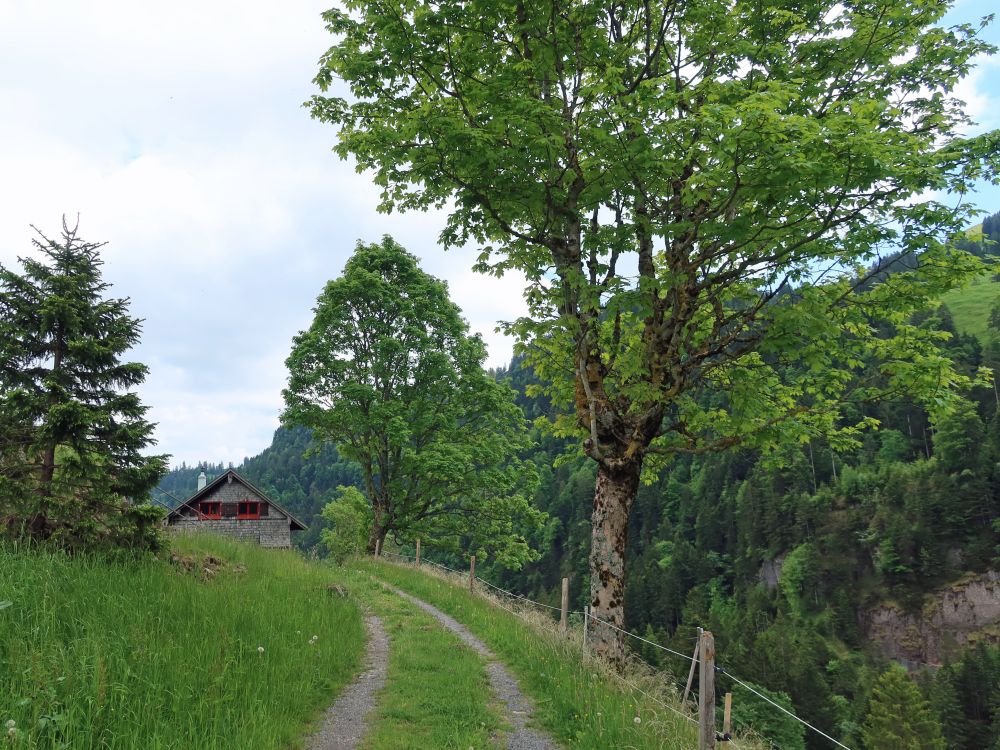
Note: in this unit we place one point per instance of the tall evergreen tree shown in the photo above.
(898, 716)
(71, 467)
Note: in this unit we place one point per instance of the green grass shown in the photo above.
(437, 694)
(581, 706)
(970, 307)
(103, 654)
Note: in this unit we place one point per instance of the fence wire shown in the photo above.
(781, 708)
(607, 624)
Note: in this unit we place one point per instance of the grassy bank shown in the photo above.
(580, 704)
(96, 653)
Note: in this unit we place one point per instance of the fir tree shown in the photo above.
(898, 716)
(71, 468)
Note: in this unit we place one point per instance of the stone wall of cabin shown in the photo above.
(267, 532)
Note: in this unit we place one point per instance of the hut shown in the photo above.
(230, 506)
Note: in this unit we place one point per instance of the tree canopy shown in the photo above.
(71, 467)
(899, 718)
(389, 372)
(695, 191)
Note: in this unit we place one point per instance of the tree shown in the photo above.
(71, 467)
(389, 372)
(751, 714)
(898, 716)
(350, 518)
(958, 438)
(693, 191)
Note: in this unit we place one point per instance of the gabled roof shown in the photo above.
(230, 475)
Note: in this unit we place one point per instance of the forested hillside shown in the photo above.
(796, 561)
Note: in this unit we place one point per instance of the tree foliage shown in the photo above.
(389, 372)
(899, 718)
(691, 189)
(350, 518)
(751, 713)
(71, 467)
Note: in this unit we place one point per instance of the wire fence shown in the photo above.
(781, 708)
(587, 616)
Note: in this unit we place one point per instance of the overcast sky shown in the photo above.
(176, 131)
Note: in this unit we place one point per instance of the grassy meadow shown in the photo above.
(970, 306)
(157, 654)
(209, 647)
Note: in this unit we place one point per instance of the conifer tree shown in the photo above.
(898, 716)
(71, 468)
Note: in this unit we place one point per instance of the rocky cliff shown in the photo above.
(955, 615)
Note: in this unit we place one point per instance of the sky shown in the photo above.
(176, 132)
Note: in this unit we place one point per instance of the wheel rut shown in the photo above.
(346, 722)
(519, 709)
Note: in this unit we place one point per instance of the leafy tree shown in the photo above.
(898, 716)
(350, 518)
(389, 372)
(71, 468)
(750, 713)
(690, 189)
(799, 574)
(958, 438)
(893, 447)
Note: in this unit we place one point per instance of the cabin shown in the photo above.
(230, 506)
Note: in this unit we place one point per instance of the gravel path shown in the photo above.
(519, 709)
(346, 721)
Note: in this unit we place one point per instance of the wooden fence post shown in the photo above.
(564, 614)
(378, 548)
(726, 717)
(706, 693)
(418, 553)
(586, 624)
(472, 573)
(694, 663)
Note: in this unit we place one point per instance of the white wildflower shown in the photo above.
(637, 720)
(260, 649)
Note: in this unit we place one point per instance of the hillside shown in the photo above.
(970, 307)
(221, 645)
(204, 648)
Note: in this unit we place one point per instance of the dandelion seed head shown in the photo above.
(11, 724)
(637, 720)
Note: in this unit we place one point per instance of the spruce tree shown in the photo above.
(71, 467)
(898, 716)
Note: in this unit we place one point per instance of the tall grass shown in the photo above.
(96, 653)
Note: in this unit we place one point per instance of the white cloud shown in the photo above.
(176, 132)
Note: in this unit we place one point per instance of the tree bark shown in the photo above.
(380, 527)
(614, 495)
(377, 537)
